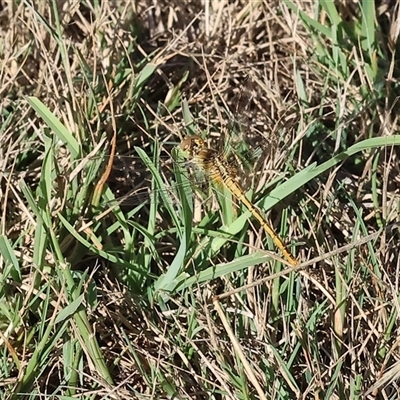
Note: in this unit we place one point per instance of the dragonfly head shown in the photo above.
(191, 145)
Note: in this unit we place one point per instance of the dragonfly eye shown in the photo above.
(185, 144)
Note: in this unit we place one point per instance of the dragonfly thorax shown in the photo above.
(205, 158)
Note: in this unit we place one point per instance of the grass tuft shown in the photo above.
(104, 295)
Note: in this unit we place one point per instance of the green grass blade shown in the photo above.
(12, 266)
(311, 172)
(56, 126)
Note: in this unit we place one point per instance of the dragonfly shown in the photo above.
(221, 172)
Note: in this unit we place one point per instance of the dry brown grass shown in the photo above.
(327, 333)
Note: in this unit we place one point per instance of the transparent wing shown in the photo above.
(145, 175)
(242, 152)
